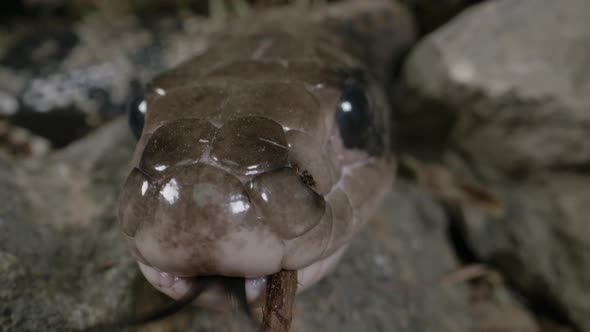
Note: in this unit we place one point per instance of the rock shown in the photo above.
(540, 243)
(511, 81)
(432, 14)
(514, 75)
(60, 247)
(63, 78)
(391, 278)
(495, 309)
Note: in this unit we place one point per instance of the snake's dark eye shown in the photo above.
(137, 111)
(353, 116)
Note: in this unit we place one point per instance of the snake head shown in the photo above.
(245, 178)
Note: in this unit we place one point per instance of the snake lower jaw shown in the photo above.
(219, 298)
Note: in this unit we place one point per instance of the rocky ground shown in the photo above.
(485, 230)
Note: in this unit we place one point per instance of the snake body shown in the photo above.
(268, 151)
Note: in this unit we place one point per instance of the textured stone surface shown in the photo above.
(63, 78)
(432, 14)
(515, 74)
(495, 309)
(60, 245)
(391, 278)
(511, 82)
(541, 242)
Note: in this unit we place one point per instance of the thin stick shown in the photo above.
(280, 296)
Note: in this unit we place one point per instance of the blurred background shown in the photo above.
(486, 230)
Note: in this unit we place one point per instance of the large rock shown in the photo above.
(516, 76)
(62, 78)
(60, 249)
(391, 279)
(511, 81)
(541, 242)
(432, 14)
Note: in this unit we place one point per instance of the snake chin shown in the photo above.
(218, 297)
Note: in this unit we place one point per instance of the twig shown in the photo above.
(278, 309)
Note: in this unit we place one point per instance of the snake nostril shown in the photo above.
(306, 177)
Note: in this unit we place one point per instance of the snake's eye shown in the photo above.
(353, 116)
(137, 111)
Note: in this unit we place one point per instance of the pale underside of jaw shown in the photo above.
(217, 297)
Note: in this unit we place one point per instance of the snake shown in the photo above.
(268, 151)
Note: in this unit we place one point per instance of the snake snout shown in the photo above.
(197, 221)
(239, 201)
(203, 220)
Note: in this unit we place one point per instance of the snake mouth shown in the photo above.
(234, 287)
(215, 292)
(224, 292)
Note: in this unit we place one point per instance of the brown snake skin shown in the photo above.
(268, 151)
